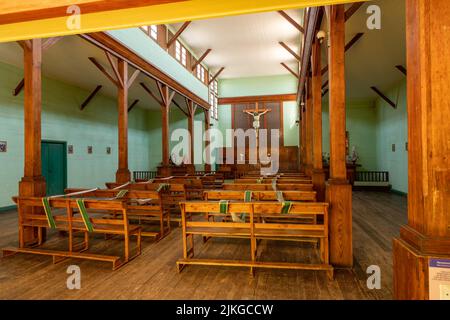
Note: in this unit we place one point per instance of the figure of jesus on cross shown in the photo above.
(256, 113)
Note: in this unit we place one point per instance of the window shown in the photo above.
(180, 53)
(154, 32)
(201, 73)
(213, 100)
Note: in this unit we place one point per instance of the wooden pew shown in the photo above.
(255, 230)
(269, 181)
(145, 204)
(64, 214)
(267, 187)
(305, 196)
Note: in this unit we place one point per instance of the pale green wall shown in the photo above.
(285, 84)
(63, 121)
(392, 128)
(151, 51)
(361, 125)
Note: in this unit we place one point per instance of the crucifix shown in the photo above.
(256, 114)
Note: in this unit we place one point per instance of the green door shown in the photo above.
(54, 166)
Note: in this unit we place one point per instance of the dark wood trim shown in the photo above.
(179, 107)
(284, 45)
(19, 88)
(90, 97)
(135, 102)
(103, 70)
(402, 69)
(352, 10)
(250, 99)
(107, 42)
(87, 7)
(178, 33)
(292, 21)
(147, 89)
(384, 97)
(295, 74)
(216, 75)
(196, 63)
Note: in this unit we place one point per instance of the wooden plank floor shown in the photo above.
(377, 218)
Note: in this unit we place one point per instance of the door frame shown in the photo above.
(64, 143)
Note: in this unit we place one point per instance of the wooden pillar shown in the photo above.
(308, 128)
(303, 136)
(338, 190)
(165, 111)
(123, 173)
(32, 183)
(207, 127)
(427, 234)
(318, 175)
(191, 118)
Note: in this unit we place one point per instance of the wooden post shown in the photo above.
(123, 173)
(338, 190)
(427, 234)
(318, 175)
(303, 136)
(308, 128)
(207, 127)
(33, 183)
(191, 109)
(165, 111)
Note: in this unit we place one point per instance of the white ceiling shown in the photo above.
(248, 45)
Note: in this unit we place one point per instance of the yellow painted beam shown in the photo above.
(186, 10)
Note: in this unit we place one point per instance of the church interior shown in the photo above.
(288, 153)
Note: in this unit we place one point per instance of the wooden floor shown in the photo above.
(376, 216)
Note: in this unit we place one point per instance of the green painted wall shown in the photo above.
(148, 49)
(392, 129)
(361, 125)
(285, 84)
(62, 120)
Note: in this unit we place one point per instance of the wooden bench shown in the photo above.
(143, 204)
(270, 181)
(257, 228)
(305, 196)
(267, 187)
(74, 215)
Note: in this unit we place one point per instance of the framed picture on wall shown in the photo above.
(89, 149)
(108, 150)
(70, 149)
(3, 146)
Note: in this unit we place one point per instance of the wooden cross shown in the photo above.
(257, 110)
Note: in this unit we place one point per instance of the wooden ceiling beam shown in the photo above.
(384, 97)
(216, 75)
(178, 33)
(314, 19)
(19, 88)
(196, 63)
(115, 69)
(103, 70)
(292, 21)
(48, 43)
(352, 10)
(402, 69)
(295, 74)
(90, 97)
(181, 109)
(284, 45)
(350, 44)
(133, 78)
(135, 102)
(151, 93)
